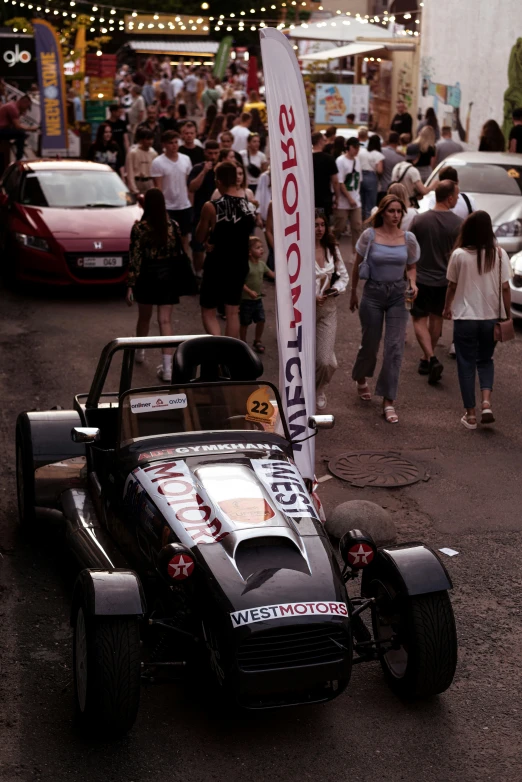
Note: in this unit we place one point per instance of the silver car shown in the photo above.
(494, 179)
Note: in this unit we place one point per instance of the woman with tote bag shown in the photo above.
(478, 301)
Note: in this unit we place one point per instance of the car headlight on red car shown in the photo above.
(513, 228)
(34, 242)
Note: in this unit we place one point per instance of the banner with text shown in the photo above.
(294, 239)
(51, 83)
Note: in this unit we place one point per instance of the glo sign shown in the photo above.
(17, 57)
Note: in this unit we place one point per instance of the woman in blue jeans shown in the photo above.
(478, 296)
(386, 258)
(371, 160)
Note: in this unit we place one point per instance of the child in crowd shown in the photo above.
(251, 308)
(405, 139)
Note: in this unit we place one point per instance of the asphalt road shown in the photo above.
(49, 344)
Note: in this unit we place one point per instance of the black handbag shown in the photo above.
(252, 169)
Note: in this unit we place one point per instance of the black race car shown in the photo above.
(196, 535)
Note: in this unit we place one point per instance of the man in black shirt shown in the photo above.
(169, 122)
(330, 134)
(515, 137)
(119, 129)
(402, 122)
(325, 176)
(151, 123)
(189, 146)
(201, 182)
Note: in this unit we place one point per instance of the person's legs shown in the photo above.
(465, 337)
(232, 314)
(325, 332)
(165, 325)
(371, 315)
(422, 332)
(340, 218)
(370, 183)
(485, 365)
(243, 333)
(396, 320)
(435, 328)
(210, 321)
(144, 316)
(16, 135)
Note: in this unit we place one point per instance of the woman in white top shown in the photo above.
(254, 160)
(371, 160)
(478, 296)
(331, 279)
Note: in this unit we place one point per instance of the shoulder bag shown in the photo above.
(252, 169)
(364, 266)
(504, 329)
(414, 201)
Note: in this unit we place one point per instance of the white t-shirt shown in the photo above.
(177, 86)
(476, 297)
(241, 135)
(461, 209)
(256, 160)
(369, 160)
(410, 178)
(174, 182)
(349, 173)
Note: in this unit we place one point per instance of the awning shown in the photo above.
(356, 48)
(337, 28)
(186, 47)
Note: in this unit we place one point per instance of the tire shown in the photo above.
(107, 673)
(425, 663)
(25, 482)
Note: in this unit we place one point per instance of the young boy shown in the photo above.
(251, 307)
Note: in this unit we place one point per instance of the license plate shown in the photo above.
(90, 262)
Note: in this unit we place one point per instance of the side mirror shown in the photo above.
(84, 434)
(321, 422)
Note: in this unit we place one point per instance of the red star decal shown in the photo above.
(360, 555)
(180, 567)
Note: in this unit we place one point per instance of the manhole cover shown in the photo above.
(376, 468)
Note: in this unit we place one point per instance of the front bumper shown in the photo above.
(59, 267)
(292, 665)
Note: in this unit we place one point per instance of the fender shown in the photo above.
(417, 567)
(109, 593)
(50, 434)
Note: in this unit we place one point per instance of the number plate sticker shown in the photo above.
(95, 262)
(259, 408)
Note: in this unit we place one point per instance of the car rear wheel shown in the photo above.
(107, 672)
(25, 484)
(423, 657)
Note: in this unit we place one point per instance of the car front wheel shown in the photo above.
(107, 672)
(423, 636)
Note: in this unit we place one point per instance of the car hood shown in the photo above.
(501, 208)
(82, 223)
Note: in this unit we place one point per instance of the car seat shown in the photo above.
(217, 358)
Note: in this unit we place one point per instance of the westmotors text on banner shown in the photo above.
(51, 83)
(294, 241)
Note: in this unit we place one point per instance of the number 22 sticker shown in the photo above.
(259, 407)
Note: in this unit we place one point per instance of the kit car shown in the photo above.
(199, 542)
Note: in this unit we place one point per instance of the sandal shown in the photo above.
(259, 347)
(364, 392)
(390, 415)
(487, 416)
(469, 421)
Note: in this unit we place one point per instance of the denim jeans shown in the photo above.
(474, 346)
(369, 188)
(380, 301)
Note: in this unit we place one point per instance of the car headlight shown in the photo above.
(35, 242)
(513, 228)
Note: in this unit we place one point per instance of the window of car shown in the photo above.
(73, 189)
(11, 179)
(495, 178)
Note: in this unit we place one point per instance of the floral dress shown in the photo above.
(152, 268)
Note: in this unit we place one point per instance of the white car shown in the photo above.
(515, 284)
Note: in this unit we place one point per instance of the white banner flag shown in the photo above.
(294, 238)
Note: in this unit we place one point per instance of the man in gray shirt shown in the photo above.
(391, 158)
(436, 232)
(446, 146)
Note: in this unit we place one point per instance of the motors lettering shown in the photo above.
(285, 610)
(174, 484)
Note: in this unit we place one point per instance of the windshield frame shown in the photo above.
(131, 197)
(165, 389)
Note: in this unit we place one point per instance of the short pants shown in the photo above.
(218, 287)
(430, 301)
(251, 311)
(183, 217)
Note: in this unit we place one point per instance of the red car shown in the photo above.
(65, 222)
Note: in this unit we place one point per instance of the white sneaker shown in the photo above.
(139, 356)
(320, 400)
(451, 352)
(164, 374)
